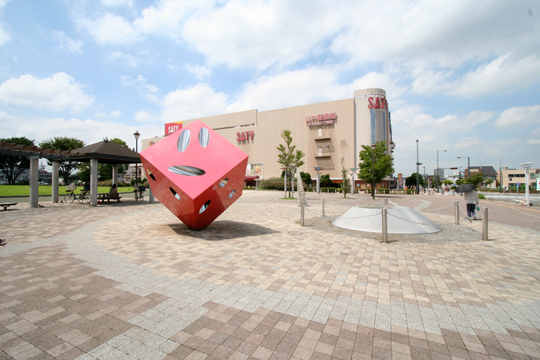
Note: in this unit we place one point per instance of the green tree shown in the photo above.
(105, 170)
(13, 166)
(346, 184)
(66, 167)
(288, 156)
(383, 163)
(448, 182)
(325, 181)
(411, 180)
(476, 179)
(306, 178)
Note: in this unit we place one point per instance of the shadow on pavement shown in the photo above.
(223, 230)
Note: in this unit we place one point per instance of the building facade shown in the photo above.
(326, 132)
(510, 178)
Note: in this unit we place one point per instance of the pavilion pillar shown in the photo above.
(150, 195)
(54, 181)
(93, 181)
(34, 179)
(115, 174)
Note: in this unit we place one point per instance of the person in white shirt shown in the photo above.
(471, 198)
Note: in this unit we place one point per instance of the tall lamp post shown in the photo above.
(136, 135)
(318, 168)
(527, 167)
(417, 170)
(373, 171)
(468, 164)
(438, 175)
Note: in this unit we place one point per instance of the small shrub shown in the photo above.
(272, 184)
(481, 196)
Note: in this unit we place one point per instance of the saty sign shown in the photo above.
(172, 127)
(378, 103)
(245, 136)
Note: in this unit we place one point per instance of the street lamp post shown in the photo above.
(136, 135)
(468, 164)
(417, 170)
(527, 166)
(373, 171)
(438, 175)
(352, 179)
(318, 168)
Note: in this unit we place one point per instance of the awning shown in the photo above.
(252, 177)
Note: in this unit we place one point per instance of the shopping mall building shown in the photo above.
(326, 132)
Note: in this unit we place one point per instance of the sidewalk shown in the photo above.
(132, 282)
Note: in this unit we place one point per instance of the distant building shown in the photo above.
(489, 173)
(511, 177)
(326, 132)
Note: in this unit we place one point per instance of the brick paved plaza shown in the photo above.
(130, 281)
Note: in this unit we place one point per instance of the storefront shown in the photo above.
(327, 133)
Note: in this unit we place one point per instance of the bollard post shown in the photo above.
(456, 207)
(384, 226)
(323, 206)
(485, 225)
(302, 214)
(385, 201)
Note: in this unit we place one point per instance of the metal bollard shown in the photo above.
(456, 207)
(485, 225)
(384, 225)
(302, 214)
(323, 206)
(385, 201)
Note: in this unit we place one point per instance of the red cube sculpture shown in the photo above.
(195, 173)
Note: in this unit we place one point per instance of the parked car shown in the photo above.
(43, 183)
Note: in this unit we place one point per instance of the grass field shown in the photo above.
(24, 190)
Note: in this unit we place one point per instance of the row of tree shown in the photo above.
(14, 166)
(375, 164)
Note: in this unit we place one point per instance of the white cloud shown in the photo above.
(196, 101)
(127, 59)
(144, 116)
(4, 36)
(67, 44)
(533, 142)
(459, 135)
(503, 74)
(56, 93)
(260, 34)
(167, 16)
(115, 114)
(200, 72)
(149, 91)
(110, 28)
(518, 117)
(128, 3)
(88, 130)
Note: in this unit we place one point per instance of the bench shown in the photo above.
(108, 197)
(6, 205)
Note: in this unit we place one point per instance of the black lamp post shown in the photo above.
(373, 171)
(137, 135)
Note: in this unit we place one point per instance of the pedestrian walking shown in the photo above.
(471, 199)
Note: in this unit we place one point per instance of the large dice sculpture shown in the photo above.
(195, 173)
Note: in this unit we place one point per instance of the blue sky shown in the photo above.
(460, 76)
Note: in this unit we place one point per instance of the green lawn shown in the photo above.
(24, 190)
